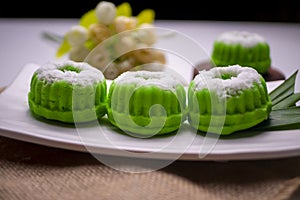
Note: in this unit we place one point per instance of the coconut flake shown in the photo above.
(87, 75)
(241, 78)
(141, 78)
(244, 38)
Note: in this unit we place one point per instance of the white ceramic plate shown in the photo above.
(17, 122)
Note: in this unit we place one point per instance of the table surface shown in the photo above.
(22, 42)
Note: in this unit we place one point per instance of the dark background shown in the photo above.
(269, 11)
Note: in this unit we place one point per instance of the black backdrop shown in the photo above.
(273, 11)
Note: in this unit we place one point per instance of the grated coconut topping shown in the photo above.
(241, 78)
(86, 74)
(244, 38)
(162, 80)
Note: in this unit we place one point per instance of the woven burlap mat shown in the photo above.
(31, 171)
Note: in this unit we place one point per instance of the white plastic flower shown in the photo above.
(111, 72)
(125, 44)
(123, 23)
(146, 34)
(126, 65)
(77, 35)
(98, 32)
(99, 58)
(78, 53)
(106, 12)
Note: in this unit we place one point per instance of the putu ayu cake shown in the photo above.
(146, 102)
(242, 48)
(224, 100)
(68, 92)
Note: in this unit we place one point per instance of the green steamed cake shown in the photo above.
(224, 100)
(242, 48)
(146, 103)
(68, 92)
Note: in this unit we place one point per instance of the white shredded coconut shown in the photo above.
(162, 80)
(87, 75)
(240, 78)
(244, 38)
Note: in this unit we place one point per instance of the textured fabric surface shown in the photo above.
(31, 171)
